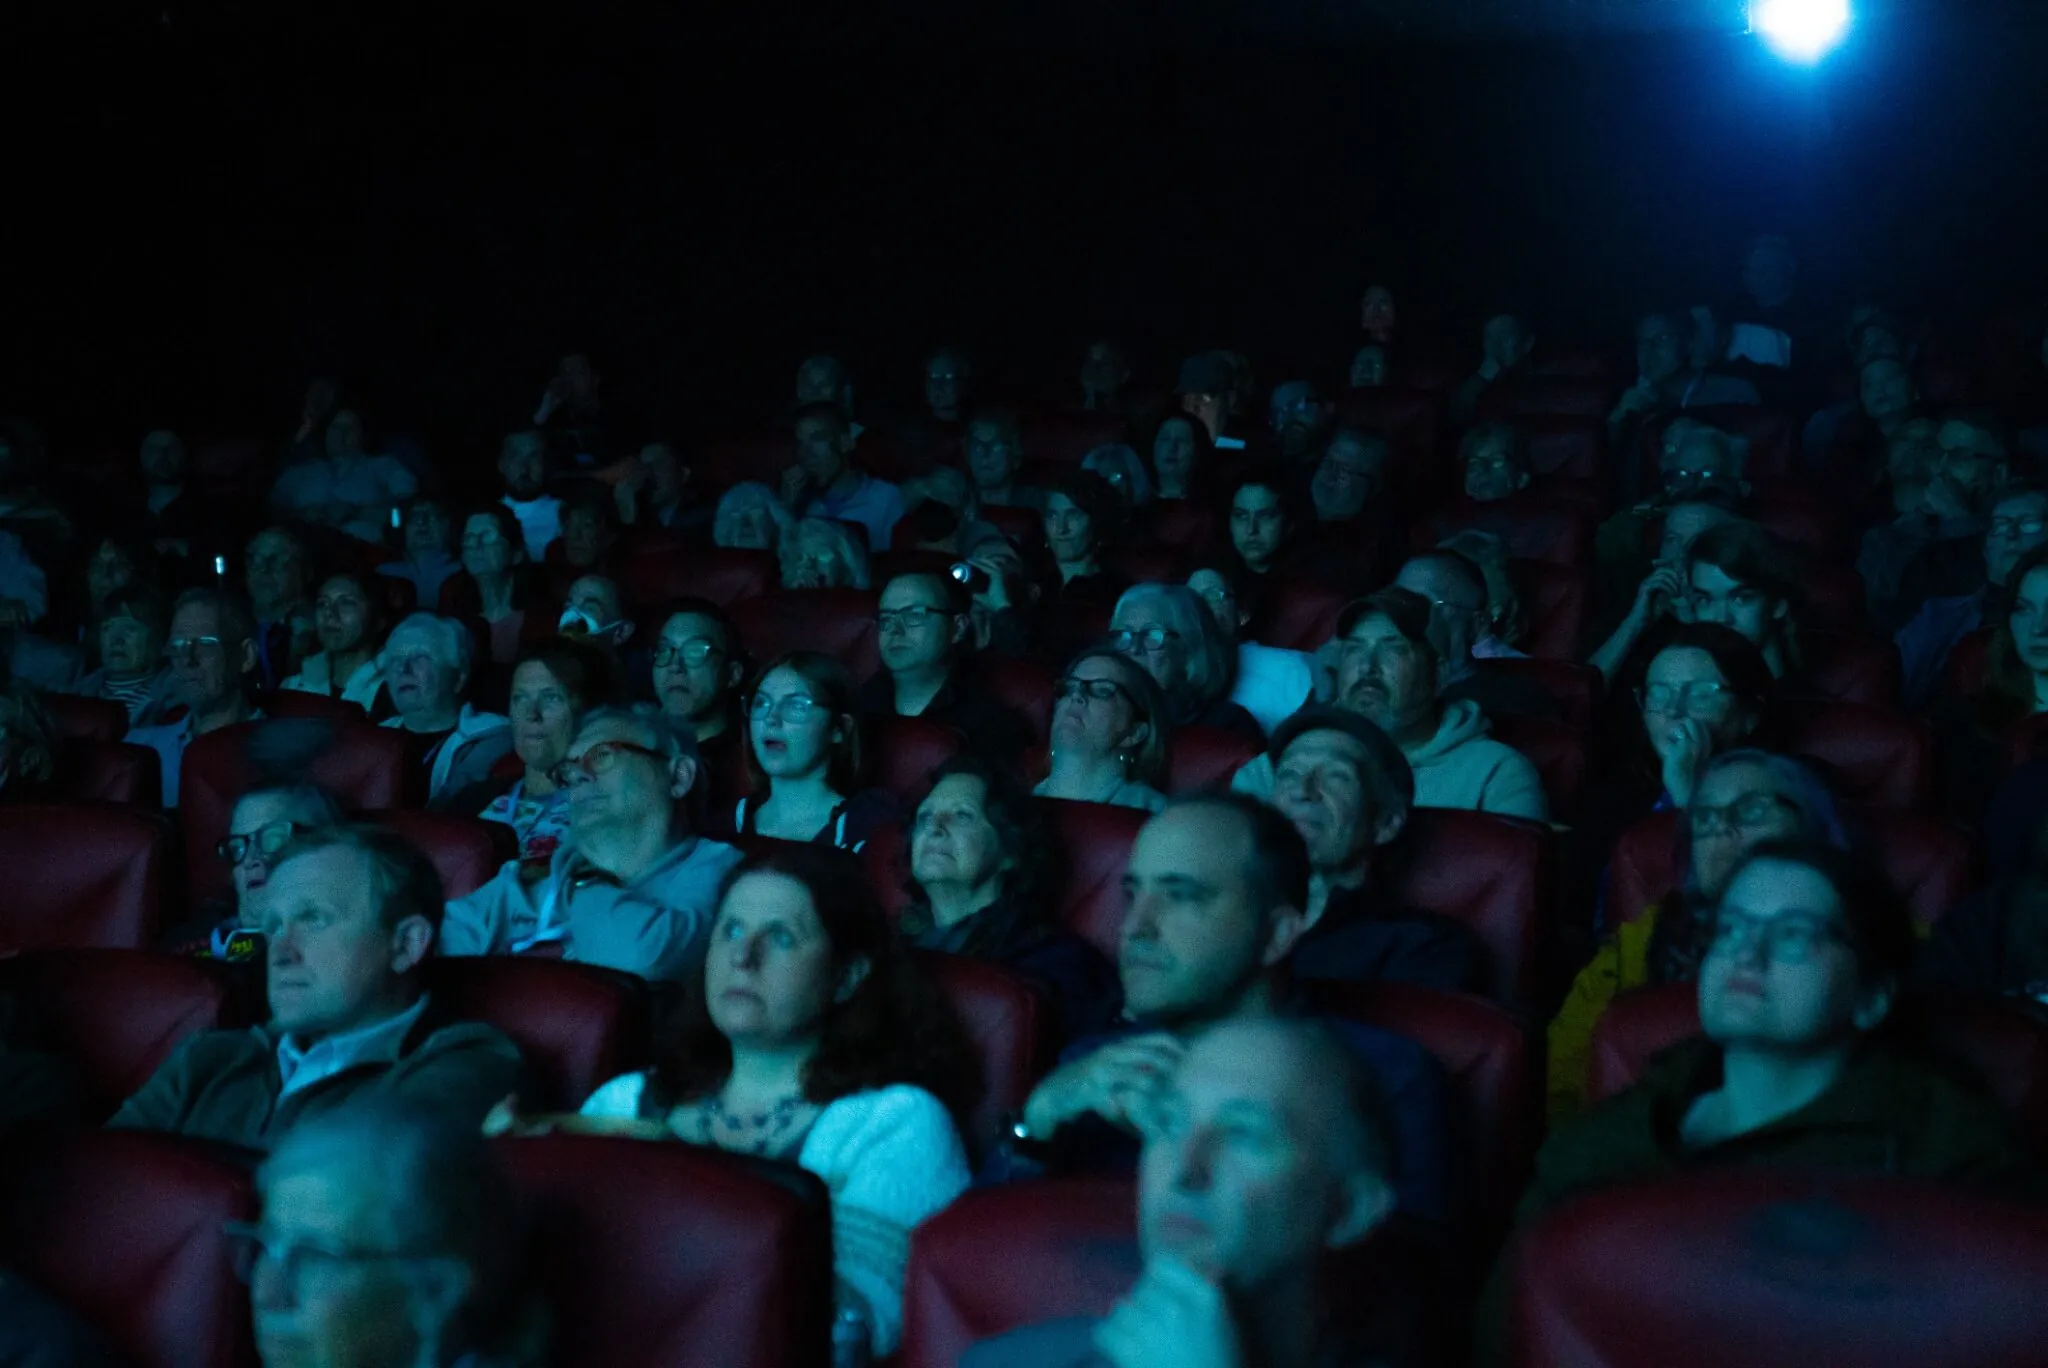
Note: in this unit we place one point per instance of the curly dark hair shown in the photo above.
(896, 1027)
(1022, 833)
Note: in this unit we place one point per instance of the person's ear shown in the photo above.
(1285, 926)
(1521, 479)
(963, 629)
(682, 776)
(1782, 610)
(1362, 1202)
(249, 658)
(734, 673)
(1875, 1006)
(625, 629)
(411, 939)
(1388, 826)
(851, 978)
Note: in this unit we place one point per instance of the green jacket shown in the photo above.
(1891, 1112)
(225, 1085)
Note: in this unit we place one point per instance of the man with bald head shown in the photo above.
(1267, 1149)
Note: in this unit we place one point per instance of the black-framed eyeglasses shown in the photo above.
(191, 648)
(1150, 639)
(908, 619)
(1746, 813)
(601, 758)
(1090, 690)
(265, 840)
(692, 653)
(300, 1262)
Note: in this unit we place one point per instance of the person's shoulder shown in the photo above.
(1068, 1343)
(711, 853)
(895, 1108)
(447, 1035)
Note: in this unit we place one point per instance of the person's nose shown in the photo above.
(1194, 1160)
(1141, 920)
(284, 947)
(746, 952)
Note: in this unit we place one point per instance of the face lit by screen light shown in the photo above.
(1800, 30)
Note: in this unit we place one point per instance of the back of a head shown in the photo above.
(440, 1192)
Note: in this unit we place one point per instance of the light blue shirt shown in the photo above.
(302, 1068)
(875, 504)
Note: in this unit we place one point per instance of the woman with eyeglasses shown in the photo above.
(1802, 1062)
(349, 619)
(263, 822)
(818, 1040)
(1168, 630)
(804, 757)
(1743, 799)
(1082, 519)
(1109, 734)
(451, 744)
(553, 685)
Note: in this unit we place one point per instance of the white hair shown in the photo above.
(443, 638)
(742, 499)
(848, 551)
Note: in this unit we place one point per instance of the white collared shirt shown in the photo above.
(302, 1068)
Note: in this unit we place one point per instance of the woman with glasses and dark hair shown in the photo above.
(982, 874)
(804, 757)
(1802, 1062)
(1742, 799)
(1169, 630)
(1109, 734)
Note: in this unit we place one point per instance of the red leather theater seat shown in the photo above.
(671, 1254)
(1930, 862)
(1529, 529)
(1486, 1056)
(726, 461)
(117, 1014)
(724, 575)
(1149, 564)
(1562, 447)
(1020, 525)
(1097, 840)
(1554, 598)
(467, 851)
(1024, 687)
(1004, 1257)
(1205, 757)
(1555, 396)
(1573, 687)
(292, 703)
(839, 622)
(1003, 1018)
(1491, 873)
(1069, 435)
(85, 719)
(362, 766)
(578, 1026)
(1783, 1270)
(1300, 615)
(1186, 526)
(907, 750)
(110, 772)
(81, 877)
(1556, 749)
(1851, 668)
(124, 1227)
(1878, 756)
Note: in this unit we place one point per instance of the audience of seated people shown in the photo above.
(631, 886)
(350, 918)
(1711, 639)
(816, 1039)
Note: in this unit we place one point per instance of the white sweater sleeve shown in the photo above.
(618, 1100)
(890, 1159)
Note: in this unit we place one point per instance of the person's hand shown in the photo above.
(1173, 1316)
(1638, 398)
(1489, 369)
(507, 1119)
(1115, 1083)
(1662, 591)
(795, 486)
(1943, 499)
(1684, 749)
(997, 596)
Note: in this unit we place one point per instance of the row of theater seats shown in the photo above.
(664, 1254)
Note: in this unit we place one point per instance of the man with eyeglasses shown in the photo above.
(925, 631)
(633, 887)
(2018, 525)
(1350, 476)
(389, 1238)
(351, 916)
(212, 652)
(1943, 555)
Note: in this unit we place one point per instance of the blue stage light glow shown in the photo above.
(1800, 30)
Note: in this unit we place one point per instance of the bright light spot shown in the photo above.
(1800, 30)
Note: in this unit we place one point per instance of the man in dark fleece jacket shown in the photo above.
(353, 913)
(1349, 791)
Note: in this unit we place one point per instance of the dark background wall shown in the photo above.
(205, 209)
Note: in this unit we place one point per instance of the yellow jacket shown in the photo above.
(1622, 963)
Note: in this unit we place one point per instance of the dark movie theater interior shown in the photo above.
(1024, 684)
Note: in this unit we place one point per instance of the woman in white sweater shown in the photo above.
(817, 1040)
